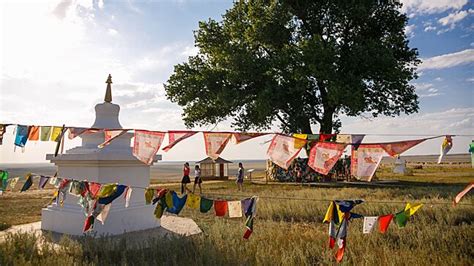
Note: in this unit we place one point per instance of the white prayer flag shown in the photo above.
(369, 224)
(235, 208)
(104, 213)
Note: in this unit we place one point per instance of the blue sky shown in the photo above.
(56, 55)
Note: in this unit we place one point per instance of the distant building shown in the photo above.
(217, 169)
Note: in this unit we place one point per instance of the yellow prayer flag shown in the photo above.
(169, 199)
(410, 210)
(56, 133)
(300, 136)
(329, 212)
(193, 201)
(107, 190)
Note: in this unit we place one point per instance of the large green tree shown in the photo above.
(302, 62)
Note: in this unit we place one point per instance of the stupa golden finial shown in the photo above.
(108, 92)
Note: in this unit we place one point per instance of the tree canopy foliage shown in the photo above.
(302, 62)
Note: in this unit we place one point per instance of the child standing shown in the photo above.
(186, 180)
(197, 178)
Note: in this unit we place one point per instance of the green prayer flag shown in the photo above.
(45, 133)
(206, 205)
(401, 218)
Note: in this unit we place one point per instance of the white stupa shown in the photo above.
(114, 163)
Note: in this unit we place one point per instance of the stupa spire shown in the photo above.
(108, 92)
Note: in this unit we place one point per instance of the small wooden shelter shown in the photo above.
(214, 169)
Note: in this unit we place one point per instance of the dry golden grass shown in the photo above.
(287, 231)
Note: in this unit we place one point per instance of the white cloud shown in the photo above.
(448, 60)
(410, 31)
(429, 28)
(452, 19)
(431, 7)
(112, 32)
(427, 90)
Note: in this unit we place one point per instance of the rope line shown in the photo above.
(276, 197)
(165, 131)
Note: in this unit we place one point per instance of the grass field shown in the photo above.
(287, 231)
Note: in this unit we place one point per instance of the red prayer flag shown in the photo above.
(397, 148)
(174, 137)
(324, 137)
(88, 223)
(220, 206)
(215, 143)
(34, 133)
(284, 149)
(384, 222)
(93, 188)
(324, 155)
(340, 254)
(111, 135)
(146, 144)
(76, 131)
(247, 233)
(241, 137)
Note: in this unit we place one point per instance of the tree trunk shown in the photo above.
(327, 123)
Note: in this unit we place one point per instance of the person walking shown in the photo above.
(240, 178)
(197, 178)
(185, 180)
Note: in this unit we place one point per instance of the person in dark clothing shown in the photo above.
(240, 178)
(185, 180)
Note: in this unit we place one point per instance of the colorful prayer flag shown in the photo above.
(45, 133)
(146, 145)
(13, 182)
(174, 137)
(34, 133)
(402, 217)
(149, 194)
(369, 224)
(104, 213)
(397, 148)
(193, 201)
(107, 190)
(3, 129)
(365, 160)
(324, 137)
(76, 131)
(111, 135)
(116, 193)
(43, 181)
(128, 195)
(461, 194)
(384, 222)
(241, 137)
(445, 147)
(220, 207)
(178, 203)
(88, 223)
(284, 149)
(28, 183)
(250, 213)
(206, 205)
(215, 143)
(235, 208)
(94, 188)
(56, 134)
(324, 155)
(21, 136)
